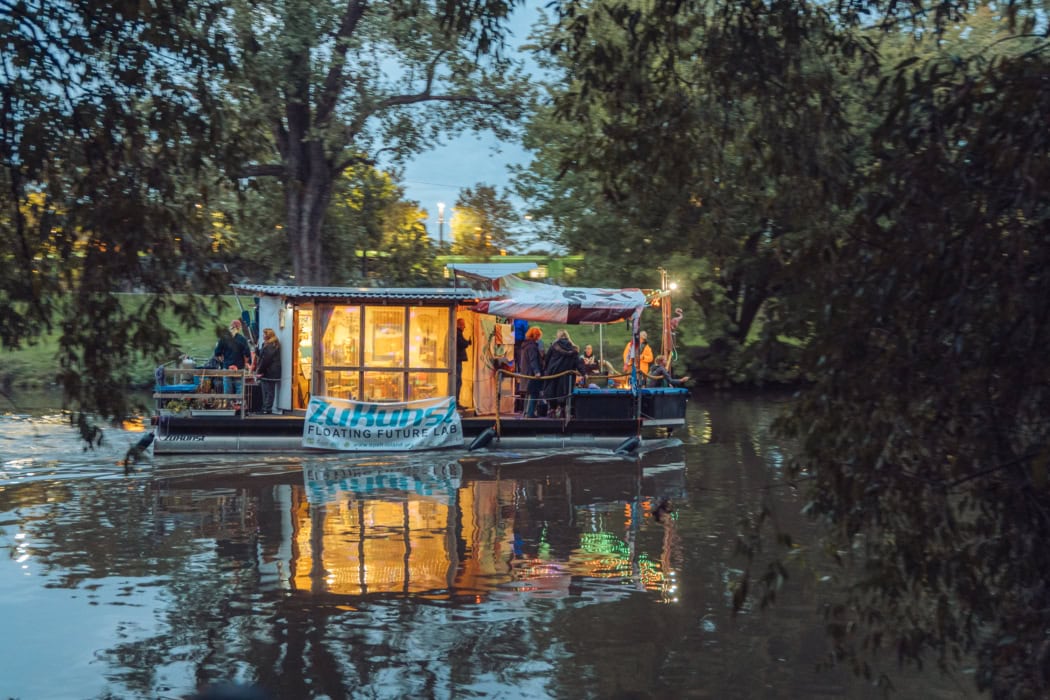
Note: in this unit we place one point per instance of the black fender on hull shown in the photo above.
(482, 440)
(628, 446)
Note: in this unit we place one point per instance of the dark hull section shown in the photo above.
(225, 434)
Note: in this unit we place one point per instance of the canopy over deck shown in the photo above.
(570, 305)
(490, 272)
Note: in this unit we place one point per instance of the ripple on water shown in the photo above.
(29, 445)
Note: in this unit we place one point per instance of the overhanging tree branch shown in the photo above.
(356, 160)
(333, 82)
(400, 100)
(262, 170)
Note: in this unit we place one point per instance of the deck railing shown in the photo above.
(203, 387)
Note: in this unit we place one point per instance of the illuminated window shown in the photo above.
(342, 337)
(428, 337)
(341, 385)
(383, 386)
(427, 385)
(384, 337)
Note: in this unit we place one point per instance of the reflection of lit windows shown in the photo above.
(375, 546)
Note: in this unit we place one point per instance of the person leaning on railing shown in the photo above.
(659, 376)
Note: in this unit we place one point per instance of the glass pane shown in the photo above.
(342, 335)
(428, 337)
(384, 337)
(427, 385)
(341, 385)
(383, 386)
(304, 323)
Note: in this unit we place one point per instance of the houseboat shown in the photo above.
(375, 369)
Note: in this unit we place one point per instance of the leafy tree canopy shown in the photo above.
(324, 86)
(129, 130)
(870, 174)
(483, 223)
(106, 174)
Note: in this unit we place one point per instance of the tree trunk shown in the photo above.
(307, 200)
(307, 194)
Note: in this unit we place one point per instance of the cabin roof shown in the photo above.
(400, 294)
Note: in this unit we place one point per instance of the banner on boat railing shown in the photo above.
(339, 424)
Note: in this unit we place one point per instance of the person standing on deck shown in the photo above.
(531, 364)
(521, 328)
(562, 356)
(269, 368)
(233, 353)
(645, 354)
(461, 354)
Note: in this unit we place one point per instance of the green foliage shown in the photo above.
(321, 87)
(104, 160)
(664, 144)
(37, 364)
(483, 222)
(129, 131)
(927, 426)
(878, 194)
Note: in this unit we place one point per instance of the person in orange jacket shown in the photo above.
(645, 354)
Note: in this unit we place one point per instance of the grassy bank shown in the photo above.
(37, 365)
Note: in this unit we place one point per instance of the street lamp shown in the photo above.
(441, 225)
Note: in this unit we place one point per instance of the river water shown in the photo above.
(440, 575)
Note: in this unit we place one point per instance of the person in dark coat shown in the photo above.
(532, 366)
(461, 354)
(269, 368)
(233, 352)
(562, 355)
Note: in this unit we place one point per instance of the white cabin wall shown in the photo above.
(273, 312)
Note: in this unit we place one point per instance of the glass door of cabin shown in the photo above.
(302, 357)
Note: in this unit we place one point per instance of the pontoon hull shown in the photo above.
(258, 434)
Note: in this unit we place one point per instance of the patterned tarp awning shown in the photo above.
(547, 303)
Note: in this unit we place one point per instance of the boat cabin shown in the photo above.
(363, 344)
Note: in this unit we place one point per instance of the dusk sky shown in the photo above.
(439, 175)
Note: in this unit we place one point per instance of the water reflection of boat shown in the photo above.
(440, 481)
(476, 528)
(461, 530)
